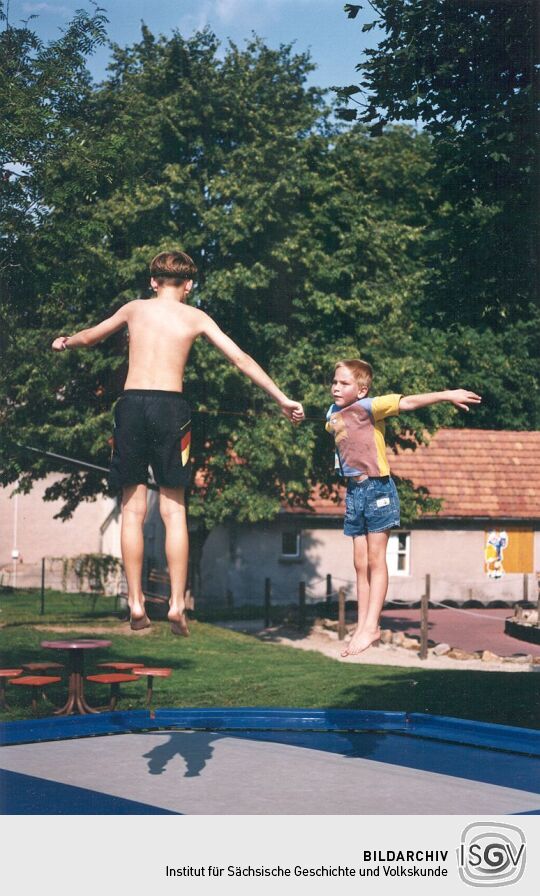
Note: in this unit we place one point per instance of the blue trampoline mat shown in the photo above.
(174, 763)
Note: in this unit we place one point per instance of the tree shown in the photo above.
(169, 150)
(465, 70)
(305, 239)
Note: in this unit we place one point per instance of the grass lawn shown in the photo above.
(216, 667)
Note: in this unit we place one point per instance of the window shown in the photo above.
(290, 545)
(398, 554)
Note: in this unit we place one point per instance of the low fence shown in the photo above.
(93, 574)
(336, 603)
(331, 596)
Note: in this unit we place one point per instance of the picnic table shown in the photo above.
(75, 649)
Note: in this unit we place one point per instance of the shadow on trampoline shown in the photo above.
(195, 748)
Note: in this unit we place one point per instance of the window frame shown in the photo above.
(406, 553)
(291, 557)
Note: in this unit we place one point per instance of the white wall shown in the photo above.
(27, 523)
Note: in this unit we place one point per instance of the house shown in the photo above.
(29, 534)
(483, 544)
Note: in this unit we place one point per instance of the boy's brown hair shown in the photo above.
(361, 371)
(172, 268)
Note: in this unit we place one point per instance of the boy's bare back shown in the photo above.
(161, 333)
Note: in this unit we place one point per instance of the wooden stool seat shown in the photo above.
(114, 679)
(111, 677)
(35, 682)
(120, 667)
(6, 674)
(151, 672)
(41, 667)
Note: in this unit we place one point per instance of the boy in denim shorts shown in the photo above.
(372, 503)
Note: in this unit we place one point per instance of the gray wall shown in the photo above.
(238, 559)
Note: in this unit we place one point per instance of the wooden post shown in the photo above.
(301, 604)
(424, 607)
(267, 602)
(42, 607)
(525, 587)
(328, 594)
(538, 603)
(341, 614)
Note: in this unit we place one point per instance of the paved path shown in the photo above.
(469, 629)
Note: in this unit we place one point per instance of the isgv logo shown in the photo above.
(491, 854)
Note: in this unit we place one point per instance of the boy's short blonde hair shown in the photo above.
(172, 268)
(361, 371)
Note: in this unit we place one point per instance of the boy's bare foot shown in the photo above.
(140, 623)
(178, 621)
(360, 641)
(137, 616)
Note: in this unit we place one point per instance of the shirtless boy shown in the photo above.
(153, 419)
(371, 505)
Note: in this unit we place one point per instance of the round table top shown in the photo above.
(80, 644)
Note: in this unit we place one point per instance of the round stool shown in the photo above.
(5, 675)
(42, 667)
(151, 672)
(115, 679)
(35, 682)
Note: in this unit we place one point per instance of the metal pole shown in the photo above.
(525, 587)
(15, 552)
(424, 619)
(42, 608)
(341, 614)
(301, 604)
(267, 602)
(328, 594)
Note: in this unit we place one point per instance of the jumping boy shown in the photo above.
(371, 503)
(153, 419)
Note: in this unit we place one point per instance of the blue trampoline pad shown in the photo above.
(230, 769)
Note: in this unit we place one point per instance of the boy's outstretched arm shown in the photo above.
(461, 398)
(93, 335)
(291, 409)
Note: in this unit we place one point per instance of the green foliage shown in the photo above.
(313, 242)
(93, 572)
(465, 71)
(305, 239)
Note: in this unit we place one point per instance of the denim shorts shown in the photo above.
(371, 506)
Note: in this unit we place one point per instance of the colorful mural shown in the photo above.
(496, 543)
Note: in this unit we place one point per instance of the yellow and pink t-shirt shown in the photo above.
(358, 430)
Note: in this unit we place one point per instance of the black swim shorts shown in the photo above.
(151, 428)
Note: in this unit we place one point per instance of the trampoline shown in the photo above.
(262, 761)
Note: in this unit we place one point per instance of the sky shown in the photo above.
(335, 42)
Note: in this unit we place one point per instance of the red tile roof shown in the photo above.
(477, 473)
